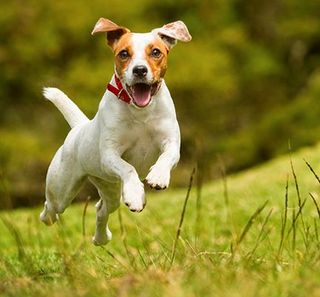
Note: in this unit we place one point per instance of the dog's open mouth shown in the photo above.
(142, 93)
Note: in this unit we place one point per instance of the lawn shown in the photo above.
(256, 233)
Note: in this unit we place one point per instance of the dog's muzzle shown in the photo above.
(141, 93)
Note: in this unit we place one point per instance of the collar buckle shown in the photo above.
(119, 91)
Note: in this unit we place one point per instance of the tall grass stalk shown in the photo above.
(17, 237)
(295, 217)
(181, 219)
(23, 257)
(247, 227)
(311, 169)
(199, 183)
(298, 193)
(316, 204)
(84, 216)
(124, 239)
(285, 217)
(293, 227)
(316, 231)
(261, 233)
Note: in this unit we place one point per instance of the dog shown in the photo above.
(134, 135)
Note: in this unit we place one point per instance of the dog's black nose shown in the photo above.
(140, 71)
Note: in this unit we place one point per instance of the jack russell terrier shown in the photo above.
(134, 134)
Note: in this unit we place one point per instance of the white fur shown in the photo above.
(115, 150)
(139, 43)
(70, 111)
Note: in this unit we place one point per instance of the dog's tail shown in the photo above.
(71, 112)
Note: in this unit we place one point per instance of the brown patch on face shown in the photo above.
(156, 56)
(123, 54)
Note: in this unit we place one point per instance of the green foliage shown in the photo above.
(243, 87)
(246, 233)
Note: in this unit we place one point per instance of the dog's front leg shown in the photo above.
(159, 175)
(132, 188)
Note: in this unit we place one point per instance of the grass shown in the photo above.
(256, 233)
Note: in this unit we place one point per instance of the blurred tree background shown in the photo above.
(247, 84)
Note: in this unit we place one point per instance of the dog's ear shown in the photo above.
(172, 32)
(112, 30)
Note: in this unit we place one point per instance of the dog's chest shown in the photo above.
(142, 146)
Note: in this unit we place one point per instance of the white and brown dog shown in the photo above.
(135, 133)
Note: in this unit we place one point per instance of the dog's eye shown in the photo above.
(124, 54)
(155, 53)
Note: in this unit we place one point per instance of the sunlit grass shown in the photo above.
(249, 236)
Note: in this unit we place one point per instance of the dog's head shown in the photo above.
(141, 58)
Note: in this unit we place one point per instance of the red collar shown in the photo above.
(119, 91)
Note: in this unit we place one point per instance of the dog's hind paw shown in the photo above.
(48, 217)
(102, 239)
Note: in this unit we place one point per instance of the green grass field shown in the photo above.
(244, 235)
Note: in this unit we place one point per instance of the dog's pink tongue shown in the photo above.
(141, 94)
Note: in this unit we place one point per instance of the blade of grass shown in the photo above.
(154, 237)
(316, 204)
(146, 248)
(114, 257)
(23, 257)
(262, 231)
(285, 217)
(297, 190)
(124, 239)
(199, 183)
(84, 216)
(250, 223)
(311, 169)
(142, 259)
(181, 218)
(294, 229)
(316, 230)
(296, 216)
(247, 227)
(17, 237)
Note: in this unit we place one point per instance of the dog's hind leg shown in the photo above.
(109, 202)
(102, 235)
(63, 183)
(48, 215)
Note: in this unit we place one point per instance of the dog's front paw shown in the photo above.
(133, 195)
(158, 178)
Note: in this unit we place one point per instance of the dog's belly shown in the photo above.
(142, 155)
